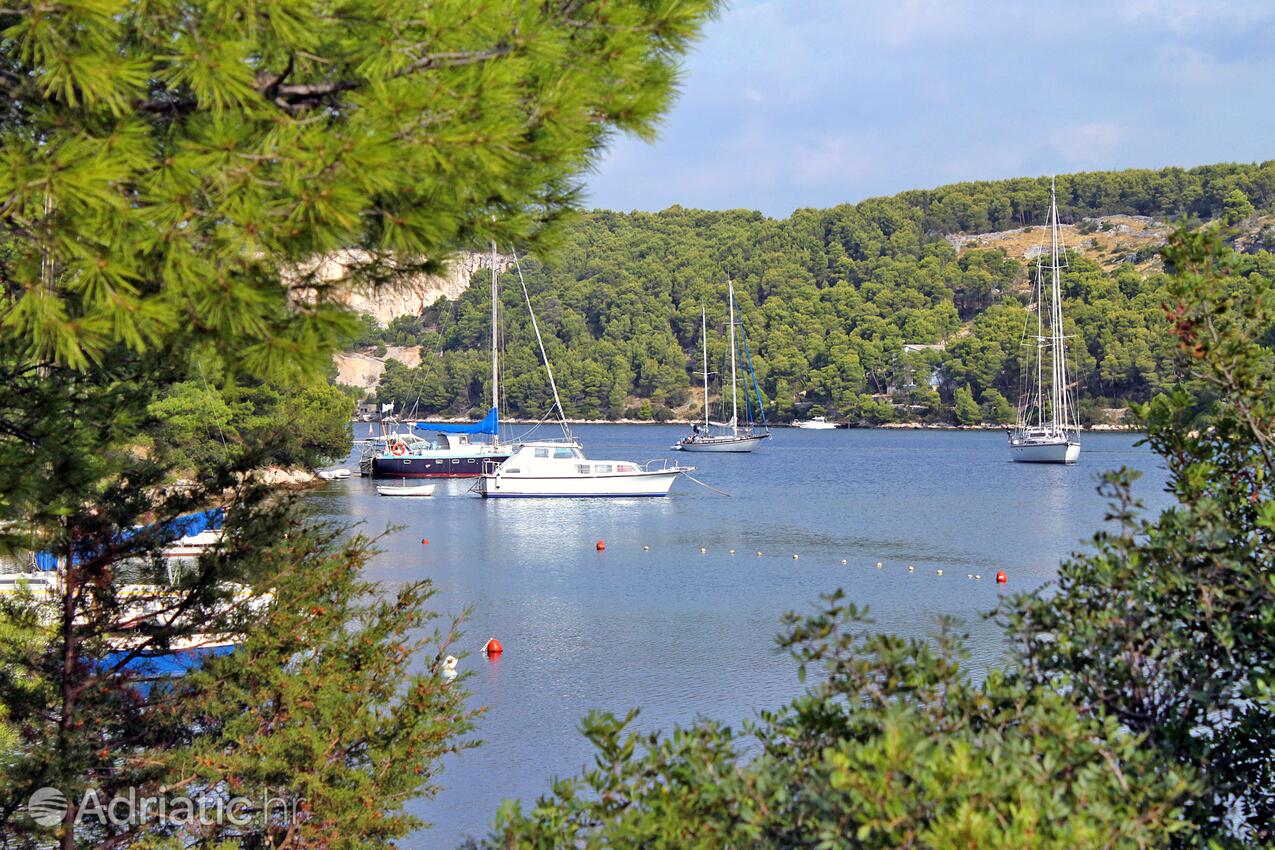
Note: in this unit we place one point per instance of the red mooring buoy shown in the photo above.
(424, 541)
(602, 546)
(1001, 578)
(493, 647)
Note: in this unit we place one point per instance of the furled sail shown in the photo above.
(490, 425)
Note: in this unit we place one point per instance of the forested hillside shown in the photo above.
(867, 311)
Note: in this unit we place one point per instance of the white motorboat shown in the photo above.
(333, 474)
(412, 490)
(1048, 429)
(815, 423)
(559, 468)
(702, 438)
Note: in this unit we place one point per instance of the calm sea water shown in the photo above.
(682, 634)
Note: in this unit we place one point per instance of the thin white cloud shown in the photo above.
(1088, 144)
(792, 103)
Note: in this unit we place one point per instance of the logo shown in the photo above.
(47, 807)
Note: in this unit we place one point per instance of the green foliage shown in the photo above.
(964, 407)
(196, 425)
(829, 299)
(317, 707)
(167, 164)
(894, 747)
(1166, 627)
(1236, 207)
(996, 408)
(171, 176)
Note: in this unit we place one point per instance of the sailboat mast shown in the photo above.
(1040, 343)
(495, 349)
(703, 335)
(1055, 319)
(734, 405)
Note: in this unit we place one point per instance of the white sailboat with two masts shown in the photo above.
(1048, 429)
(731, 437)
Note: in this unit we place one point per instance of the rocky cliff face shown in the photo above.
(363, 370)
(408, 297)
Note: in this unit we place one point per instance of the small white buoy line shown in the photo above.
(708, 486)
(1001, 577)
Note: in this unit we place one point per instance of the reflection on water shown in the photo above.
(680, 633)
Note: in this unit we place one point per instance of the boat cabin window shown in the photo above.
(582, 468)
(602, 468)
(624, 467)
(564, 454)
(542, 452)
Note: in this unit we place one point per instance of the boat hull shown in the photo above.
(1059, 452)
(417, 491)
(470, 466)
(722, 444)
(641, 484)
(817, 426)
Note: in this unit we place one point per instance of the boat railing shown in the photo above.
(657, 465)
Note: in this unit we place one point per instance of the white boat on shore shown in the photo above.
(333, 474)
(559, 468)
(399, 490)
(815, 423)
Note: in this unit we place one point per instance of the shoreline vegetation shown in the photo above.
(904, 308)
(856, 426)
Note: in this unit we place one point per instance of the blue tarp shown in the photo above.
(490, 425)
(175, 529)
(163, 664)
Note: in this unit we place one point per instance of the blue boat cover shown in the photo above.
(490, 424)
(175, 529)
(163, 664)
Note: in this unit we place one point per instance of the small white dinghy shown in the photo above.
(333, 474)
(398, 490)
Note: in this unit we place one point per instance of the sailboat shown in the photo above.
(450, 454)
(737, 439)
(1048, 430)
(559, 467)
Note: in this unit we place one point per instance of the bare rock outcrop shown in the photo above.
(354, 369)
(406, 297)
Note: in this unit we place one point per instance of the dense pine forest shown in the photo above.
(870, 312)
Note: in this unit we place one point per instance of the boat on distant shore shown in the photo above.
(815, 423)
(736, 439)
(1048, 429)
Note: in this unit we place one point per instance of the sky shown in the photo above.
(811, 103)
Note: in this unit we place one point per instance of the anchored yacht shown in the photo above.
(736, 439)
(547, 468)
(1048, 430)
(559, 468)
(815, 423)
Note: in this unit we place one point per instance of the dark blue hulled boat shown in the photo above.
(449, 455)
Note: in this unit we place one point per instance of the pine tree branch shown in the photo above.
(292, 98)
